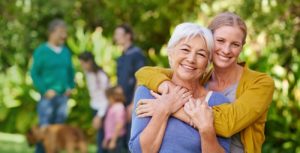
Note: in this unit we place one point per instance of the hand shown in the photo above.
(50, 94)
(200, 113)
(146, 107)
(173, 100)
(112, 145)
(68, 93)
(96, 122)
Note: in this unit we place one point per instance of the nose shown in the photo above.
(191, 57)
(226, 49)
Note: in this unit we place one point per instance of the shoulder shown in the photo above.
(142, 92)
(254, 77)
(135, 51)
(66, 49)
(217, 98)
(42, 47)
(102, 74)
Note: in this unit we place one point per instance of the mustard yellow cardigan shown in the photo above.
(247, 114)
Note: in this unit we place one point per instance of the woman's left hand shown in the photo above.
(200, 113)
(146, 107)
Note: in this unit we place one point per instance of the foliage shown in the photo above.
(272, 46)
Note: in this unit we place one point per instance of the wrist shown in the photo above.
(162, 110)
(204, 129)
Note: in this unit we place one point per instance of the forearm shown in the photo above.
(152, 135)
(181, 115)
(209, 142)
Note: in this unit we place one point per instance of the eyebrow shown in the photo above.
(202, 50)
(225, 39)
(187, 45)
(205, 50)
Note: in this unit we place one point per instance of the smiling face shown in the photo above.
(189, 59)
(228, 46)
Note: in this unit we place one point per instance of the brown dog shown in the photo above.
(58, 137)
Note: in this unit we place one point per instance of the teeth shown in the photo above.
(223, 57)
(188, 67)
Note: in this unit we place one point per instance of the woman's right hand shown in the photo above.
(200, 113)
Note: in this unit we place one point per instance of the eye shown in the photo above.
(220, 40)
(236, 45)
(201, 54)
(185, 50)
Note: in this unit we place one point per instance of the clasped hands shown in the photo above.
(172, 100)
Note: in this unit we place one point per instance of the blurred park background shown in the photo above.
(273, 46)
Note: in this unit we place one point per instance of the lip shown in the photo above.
(187, 67)
(224, 58)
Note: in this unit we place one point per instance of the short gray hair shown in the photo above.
(189, 30)
(56, 23)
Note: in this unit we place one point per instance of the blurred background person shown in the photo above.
(115, 121)
(128, 63)
(97, 83)
(53, 76)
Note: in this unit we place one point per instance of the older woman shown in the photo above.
(189, 50)
(250, 92)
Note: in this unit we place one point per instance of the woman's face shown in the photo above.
(189, 59)
(228, 46)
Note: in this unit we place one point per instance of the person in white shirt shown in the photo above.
(97, 83)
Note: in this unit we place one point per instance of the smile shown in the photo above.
(186, 67)
(225, 58)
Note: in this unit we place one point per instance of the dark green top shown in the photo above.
(51, 70)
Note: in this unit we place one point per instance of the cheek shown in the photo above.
(202, 63)
(237, 52)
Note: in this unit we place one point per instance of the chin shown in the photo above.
(188, 77)
(223, 64)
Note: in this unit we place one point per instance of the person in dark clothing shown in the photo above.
(128, 63)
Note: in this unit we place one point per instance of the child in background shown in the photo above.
(115, 120)
(97, 83)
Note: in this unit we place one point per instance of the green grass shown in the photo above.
(16, 143)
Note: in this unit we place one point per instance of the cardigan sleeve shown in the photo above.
(152, 77)
(250, 104)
